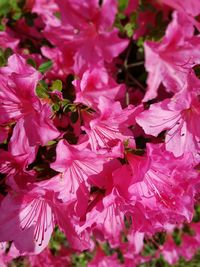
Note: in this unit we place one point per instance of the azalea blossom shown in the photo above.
(170, 60)
(109, 129)
(19, 102)
(179, 116)
(94, 84)
(76, 165)
(99, 132)
(83, 33)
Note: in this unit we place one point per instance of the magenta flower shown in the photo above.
(105, 216)
(46, 258)
(101, 260)
(7, 40)
(95, 83)
(108, 130)
(167, 186)
(31, 214)
(179, 116)
(85, 36)
(27, 216)
(190, 9)
(15, 161)
(170, 251)
(76, 163)
(19, 103)
(171, 60)
(85, 148)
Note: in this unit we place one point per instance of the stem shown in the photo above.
(139, 63)
(136, 82)
(127, 56)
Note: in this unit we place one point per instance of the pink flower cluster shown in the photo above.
(71, 158)
(190, 243)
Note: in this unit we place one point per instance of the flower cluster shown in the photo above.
(88, 152)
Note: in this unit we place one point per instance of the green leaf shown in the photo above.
(11, 8)
(56, 85)
(72, 108)
(31, 62)
(2, 27)
(5, 7)
(129, 29)
(44, 67)
(177, 236)
(41, 91)
(69, 107)
(2, 61)
(56, 107)
(17, 15)
(121, 16)
(57, 240)
(7, 53)
(4, 55)
(140, 42)
(65, 102)
(44, 84)
(123, 4)
(50, 143)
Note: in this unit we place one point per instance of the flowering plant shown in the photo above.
(99, 132)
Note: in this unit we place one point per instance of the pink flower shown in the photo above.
(179, 116)
(163, 192)
(102, 260)
(86, 33)
(190, 9)
(146, 18)
(27, 217)
(23, 31)
(30, 216)
(47, 259)
(3, 258)
(45, 8)
(171, 60)
(170, 252)
(109, 129)
(95, 83)
(13, 166)
(15, 161)
(19, 145)
(189, 246)
(76, 163)
(134, 245)
(61, 62)
(105, 217)
(7, 254)
(18, 102)
(132, 6)
(7, 40)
